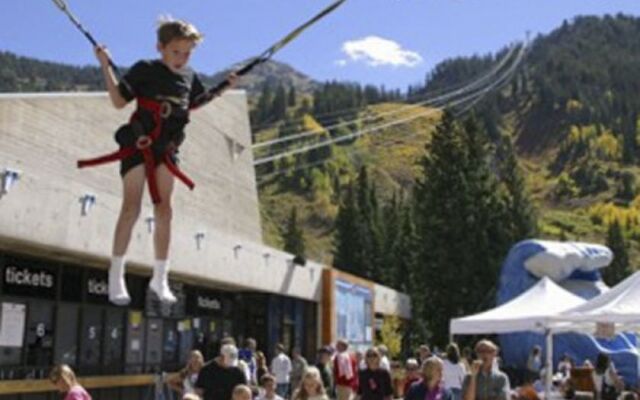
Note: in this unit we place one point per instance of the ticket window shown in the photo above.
(39, 339)
(170, 345)
(134, 343)
(153, 353)
(12, 332)
(66, 343)
(91, 340)
(113, 338)
(200, 334)
(214, 334)
(186, 339)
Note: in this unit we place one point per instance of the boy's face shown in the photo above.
(176, 53)
(270, 386)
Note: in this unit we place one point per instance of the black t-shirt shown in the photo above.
(218, 382)
(374, 384)
(153, 79)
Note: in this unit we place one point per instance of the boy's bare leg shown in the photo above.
(162, 235)
(132, 189)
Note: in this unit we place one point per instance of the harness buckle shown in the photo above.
(165, 109)
(143, 142)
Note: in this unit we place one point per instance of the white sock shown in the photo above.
(118, 293)
(159, 282)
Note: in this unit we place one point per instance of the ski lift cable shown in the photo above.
(320, 116)
(407, 107)
(356, 134)
(459, 113)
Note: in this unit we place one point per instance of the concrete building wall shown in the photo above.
(391, 302)
(42, 136)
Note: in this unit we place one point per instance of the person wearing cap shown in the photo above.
(324, 366)
(485, 382)
(219, 377)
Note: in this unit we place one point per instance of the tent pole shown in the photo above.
(548, 364)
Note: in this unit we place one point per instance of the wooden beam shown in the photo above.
(22, 386)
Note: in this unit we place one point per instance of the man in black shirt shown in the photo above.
(219, 377)
(374, 382)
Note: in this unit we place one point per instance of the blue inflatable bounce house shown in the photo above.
(575, 267)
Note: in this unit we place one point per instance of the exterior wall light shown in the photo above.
(87, 202)
(9, 178)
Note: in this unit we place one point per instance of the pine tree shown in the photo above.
(370, 224)
(619, 268)
(461, 230)
(279, 105)
(346, 239)
(390, 258)
(293, 236)
(291, 100)
(522, 215)
(263, 107)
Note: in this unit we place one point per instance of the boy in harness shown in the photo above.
(165, 90)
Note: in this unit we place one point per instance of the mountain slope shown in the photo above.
(25, 74)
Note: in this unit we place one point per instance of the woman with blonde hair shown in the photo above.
(184, 382)
(63, 377)
(430, 387)
(311, 387)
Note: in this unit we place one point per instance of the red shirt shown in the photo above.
(342, 380)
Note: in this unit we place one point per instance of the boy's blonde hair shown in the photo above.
(65, 373)
(173, 29)
(241, 390)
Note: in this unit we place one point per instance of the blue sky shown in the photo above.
(390, 42)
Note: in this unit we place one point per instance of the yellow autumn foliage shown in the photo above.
(606, 213)
(391, 335)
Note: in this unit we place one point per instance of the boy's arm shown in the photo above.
(109, 78)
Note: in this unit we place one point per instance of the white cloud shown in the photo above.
(376, 51)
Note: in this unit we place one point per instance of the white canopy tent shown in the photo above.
(619, 305)
(533, 310)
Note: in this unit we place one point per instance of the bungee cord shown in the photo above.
(266, 55)
(216, 90)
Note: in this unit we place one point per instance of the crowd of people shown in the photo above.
(345, 374)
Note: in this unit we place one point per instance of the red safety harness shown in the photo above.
(160, 111)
